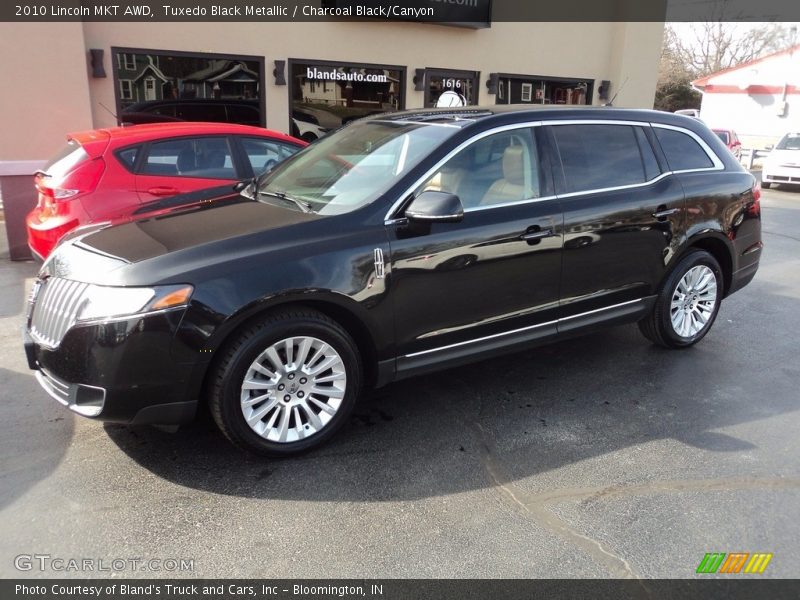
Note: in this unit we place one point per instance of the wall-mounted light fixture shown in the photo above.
(419, 80)
(491, 83)
(602, 91)
(96, 56)
(280, 72)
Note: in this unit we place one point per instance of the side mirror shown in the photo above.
(240, 185)
(769, 147)
(435, 207)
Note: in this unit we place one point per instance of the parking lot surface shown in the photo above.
(601, 456)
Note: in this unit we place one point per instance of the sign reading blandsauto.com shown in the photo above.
(337, 75)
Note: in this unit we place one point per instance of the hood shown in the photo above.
(94, 254)
(784, 157)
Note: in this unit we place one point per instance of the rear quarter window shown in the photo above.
(127, 156)
(682, 150)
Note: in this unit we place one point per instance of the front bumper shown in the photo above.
(780, 174)
(122, 371)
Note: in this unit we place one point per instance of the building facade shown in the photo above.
(760, 99)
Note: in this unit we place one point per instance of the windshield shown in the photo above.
(791, 141)
(352, 167)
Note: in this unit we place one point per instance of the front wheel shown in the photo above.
(766, 185)
(286, 384)
(687, 303)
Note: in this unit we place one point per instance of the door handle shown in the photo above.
(535, 236)
(163, 191)
(665, 212)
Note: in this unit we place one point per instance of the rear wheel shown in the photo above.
(286, 384)
(687, 303)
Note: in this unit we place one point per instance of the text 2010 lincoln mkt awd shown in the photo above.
(401, 244)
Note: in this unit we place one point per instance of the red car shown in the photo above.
(731, 140)
(106, 174)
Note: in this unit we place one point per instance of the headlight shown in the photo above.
(101, 302)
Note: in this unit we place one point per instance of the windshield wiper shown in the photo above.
(301, 204)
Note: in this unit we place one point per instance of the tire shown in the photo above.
(281, 413)
(679, 320)
(766, 185)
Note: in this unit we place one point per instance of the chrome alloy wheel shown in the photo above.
(693, 301)
(293, 389)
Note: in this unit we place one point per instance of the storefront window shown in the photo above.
(450, 88)
(168, 86)
(325, 96)
(529, 89)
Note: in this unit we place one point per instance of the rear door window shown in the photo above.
(597, 156)
(203, 157)
(682, 150)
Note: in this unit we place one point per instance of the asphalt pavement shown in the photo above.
(601, 456)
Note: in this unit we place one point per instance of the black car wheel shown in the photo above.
(286, 384)
(766, 185)
(687, 303)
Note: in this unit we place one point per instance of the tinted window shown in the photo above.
(191, 157)
(167, 110)
(681, 150)
(723, 135)
(265, 154)
(127, 156)
(201, 112)
(244, 115)
(651, 168)
(497, 169)
(599, 156)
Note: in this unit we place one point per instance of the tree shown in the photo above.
(706, 48)
(674, 89)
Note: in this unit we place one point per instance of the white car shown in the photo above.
(782, 165)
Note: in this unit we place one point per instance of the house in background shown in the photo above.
(759, 99)
(226, 79)
(140, 79)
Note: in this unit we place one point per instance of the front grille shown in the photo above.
(56, 309)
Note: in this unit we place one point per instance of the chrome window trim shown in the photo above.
(597, 122)
(528, 328)
(718, 165)
(505, 204)
(627, 186)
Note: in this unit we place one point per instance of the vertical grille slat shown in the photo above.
(71, 307)
(55, 310)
